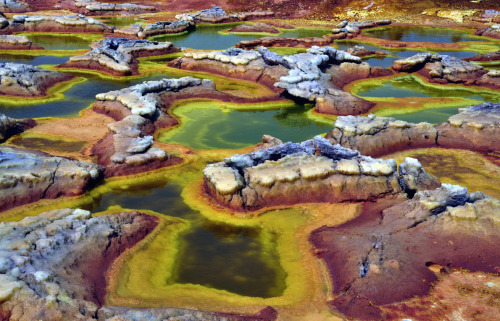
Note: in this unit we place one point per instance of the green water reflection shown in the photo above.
(213, 128)
(60, 41)
(120, 22)
(420, 34)
(212, 254)
(409, 86)
(208, 37)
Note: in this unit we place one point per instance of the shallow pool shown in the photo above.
(215, 128)
(421, 34)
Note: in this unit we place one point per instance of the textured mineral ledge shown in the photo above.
(139, 111)
(307, 42)
(118, 56)
(28, 177)
(52, 267)
(445, 69)
(10, 126)
(352, 29)
(27, 80)
(164, 27)
(315, 76)
(474, 128)
(10, 42)
(13, 6)
(486, 57)
(312, 171)
(217, 15)
(101, 8)
(65, 23)
(493, 31)
(255, 28)
(383, 256)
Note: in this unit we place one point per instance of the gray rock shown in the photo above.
(413, 177)
(117, 54)
(27, 177)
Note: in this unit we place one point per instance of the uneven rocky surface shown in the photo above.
(489, 56)
(312, 171)
(493, 31)
(377, 136)
(139, 111)
(287, 42)
(169, 314)
(13, 6)
(27, 176)
(11, 42)
(352, 29)
(475, 128)
(10, 126)
(301, 75)
(360, 51)
(165, 27)
(383, 256)
(53, 265)
(445, 69)
(307, 80)
(253, 28)
(118, 56)
(216, 14)
(27, 80)
(63, 23)
(106, 8)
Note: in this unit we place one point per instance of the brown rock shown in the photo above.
(382, 256)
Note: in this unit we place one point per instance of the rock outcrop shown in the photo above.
(28, 177)
(106, 8)
(164, 27)
(216, 14)
(13, 6)
(11, 42)
(360, 51)
(352, 29)
(377, 136)
(308, 42)
(489, 56)
(383, 256)
(64, 23)
(118, 56)
(27, 80)
(301, 75)
(255, 28)
(475, 128)
(10, 126)
(312, 171)
(493, 31)
(445, 69)
(139, 111)
(52, 266)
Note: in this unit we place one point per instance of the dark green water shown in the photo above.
(120, 22)
(433, 116)
(213, 128)
(60, 41)
(207, 37)
(33, 60)
(215, 255)
(420, 34)
(408, 86)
